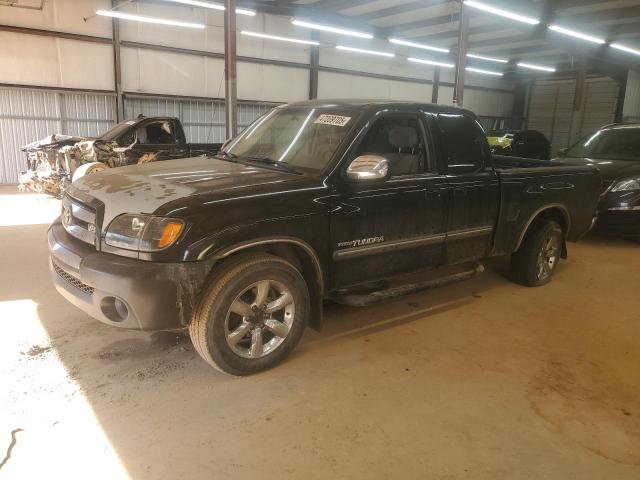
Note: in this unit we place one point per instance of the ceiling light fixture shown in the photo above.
(418, 45)
(573, 33)
(214, 6)
(484, 72)
(327, 28)
(362, 50)
(536, 67)
(140, 18)
(488, 59)
(431, 62)
(276, 37)
(502, 13)
(625, 49)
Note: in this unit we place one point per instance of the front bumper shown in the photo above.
(613, 220)
(124, 292)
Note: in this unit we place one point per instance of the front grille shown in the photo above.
(71, 280)
(79, 220)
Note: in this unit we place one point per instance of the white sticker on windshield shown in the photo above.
(337, 120)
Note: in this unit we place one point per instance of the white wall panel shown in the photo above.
(55, 62)
(631, 107)
(331, 57)
(63, 16)
(212, 38)
(337, 85)
(272, 83)
(146, 71)
(168, 73)
(487, 103)
(445, 95)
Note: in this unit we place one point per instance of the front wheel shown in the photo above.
(87, 169)
(252, 315)
(536, 260)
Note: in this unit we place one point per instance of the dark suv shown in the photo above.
(615, 150)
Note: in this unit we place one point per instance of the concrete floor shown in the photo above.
(483, 380)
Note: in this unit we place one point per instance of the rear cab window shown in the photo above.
(464, 143)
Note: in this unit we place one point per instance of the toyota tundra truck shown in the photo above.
(314, 198)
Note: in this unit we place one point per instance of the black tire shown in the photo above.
(208, 328)
(527, 261)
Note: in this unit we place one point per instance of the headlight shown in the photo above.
(143, 233)
(627, 185)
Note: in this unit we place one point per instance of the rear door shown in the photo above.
(394, 226)
(472, 187)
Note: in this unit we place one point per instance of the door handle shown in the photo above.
(459, 192)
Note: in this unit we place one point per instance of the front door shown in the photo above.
(382, 228)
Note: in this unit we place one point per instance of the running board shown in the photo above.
(365, 299)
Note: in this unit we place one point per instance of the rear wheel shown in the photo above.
(252, 315)
(536, 260)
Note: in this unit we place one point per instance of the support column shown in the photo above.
(622, 92)
(436, 85)
(578, 103)
(230, 69)
(117, 68)
(314, 63)
(463, 34)
(520, 105)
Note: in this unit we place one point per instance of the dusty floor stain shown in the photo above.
(587, 405)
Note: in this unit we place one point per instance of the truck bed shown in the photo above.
(530, 186)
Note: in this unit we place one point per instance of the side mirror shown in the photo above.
(563, 152)
(368, 167)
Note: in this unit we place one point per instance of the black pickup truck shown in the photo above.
(312, 199)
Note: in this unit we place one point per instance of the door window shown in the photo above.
(399, 139)
(465, 143)
(159, 132)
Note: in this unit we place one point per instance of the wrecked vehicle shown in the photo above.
(315, 200)
(57, 160)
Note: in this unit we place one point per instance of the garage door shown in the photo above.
(28, 115)
(203, 120)
(551, 107)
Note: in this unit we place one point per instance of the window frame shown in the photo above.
(485, 158)
(429, 166)
(149, 122)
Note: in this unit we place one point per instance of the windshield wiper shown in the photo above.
(222, 155)
(273, 163)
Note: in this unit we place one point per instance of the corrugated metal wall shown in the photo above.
(551, 108)
(631, 109)
(203, 120)
(29, 115)
(601, 99)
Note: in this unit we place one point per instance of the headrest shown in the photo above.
(403, 137)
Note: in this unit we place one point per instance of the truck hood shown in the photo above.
(145, 188)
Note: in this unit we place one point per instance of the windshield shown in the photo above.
(619, 143)
(303, 138)
(114, 132)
